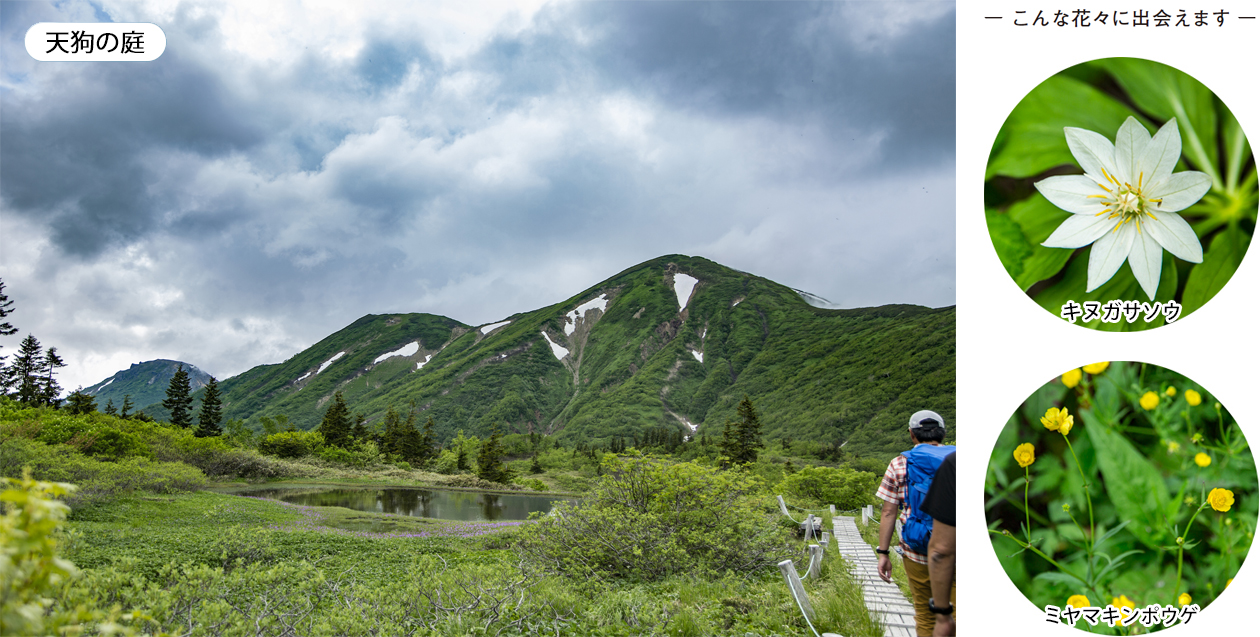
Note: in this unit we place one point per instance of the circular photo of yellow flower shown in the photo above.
(1121, 485)
(1121, 194)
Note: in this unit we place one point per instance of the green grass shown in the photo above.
(159, 553)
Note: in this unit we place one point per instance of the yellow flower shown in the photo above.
(1221, 499)
(1193, 398)
(1071, 378)
(1123, 601)
(1024, 454)
(1173, 447)
(1080, 601)
(1228, 582)
(1184, 599)
(1149, 401)
(1202, 459)
(1057, 420)
(1170, 392)
(1097, 368)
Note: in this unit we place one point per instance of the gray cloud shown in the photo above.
(228, 209)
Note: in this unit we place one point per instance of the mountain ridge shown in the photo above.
(628, 354)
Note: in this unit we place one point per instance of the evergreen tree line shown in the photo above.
(31, 378)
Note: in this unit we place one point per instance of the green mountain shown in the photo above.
(145, 382)
(643, 349)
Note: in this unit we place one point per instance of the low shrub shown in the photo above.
(648, 519)
(292, 444)
(532, 483)
(843, 487)
(98, 480)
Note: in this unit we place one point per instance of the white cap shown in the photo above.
(926, 419)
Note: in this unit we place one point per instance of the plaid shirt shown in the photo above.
(893, 489)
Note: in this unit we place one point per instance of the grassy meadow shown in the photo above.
(151, 545)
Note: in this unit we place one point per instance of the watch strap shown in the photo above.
(948, 610)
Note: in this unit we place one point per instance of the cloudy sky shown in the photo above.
(287, 167)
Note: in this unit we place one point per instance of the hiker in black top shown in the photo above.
(940, 503)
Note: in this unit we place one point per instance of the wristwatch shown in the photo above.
(948, 610)
(883, 551)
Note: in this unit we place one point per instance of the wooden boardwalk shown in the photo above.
(882, 598)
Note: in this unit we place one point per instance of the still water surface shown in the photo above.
(468, 506)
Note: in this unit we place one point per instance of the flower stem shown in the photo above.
(1089, 547)
(1047, 558)
(1027, 520)
(1181, 549)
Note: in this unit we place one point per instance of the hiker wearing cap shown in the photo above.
(905, 484)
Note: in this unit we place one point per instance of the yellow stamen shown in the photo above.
(1104, 172)
(1148, 213)
(1095, 196)
(1139, 181)
(1104, 187)
(1105, 211)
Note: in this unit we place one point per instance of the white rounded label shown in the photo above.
(95, 41)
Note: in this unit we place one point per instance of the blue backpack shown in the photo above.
(921, 465)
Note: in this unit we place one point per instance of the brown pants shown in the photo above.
(921, 587)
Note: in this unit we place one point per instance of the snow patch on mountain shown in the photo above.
(683, 285)
(98, 389)
(559, 351)
(486, 329)
(330, 361)
(699, 355)
(423, 362)
(405, 350)
(571, 318)
(815, 300)
(303, 377)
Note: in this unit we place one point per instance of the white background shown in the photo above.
(1008, 346)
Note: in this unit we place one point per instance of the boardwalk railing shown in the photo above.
(883, 600)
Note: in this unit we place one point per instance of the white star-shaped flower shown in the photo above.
(1125, 202)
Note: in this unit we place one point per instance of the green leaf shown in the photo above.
(1009, 242)
(1038, 218)
(1165, 93)
(1032, 140)
(1237, 150)
(1219, 264)
(1061, 578)
(1122, 286)
(1133, 484)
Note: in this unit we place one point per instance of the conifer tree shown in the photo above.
(406, 441)
(25, 372)
(461, 459)
(79, 402)
(359, 431)
(6, 329)
(49, 389)
(535, 467)
(428, 441)
(211, 411)
(336, 424)
(749, 431)
(741, 440)
(490, 459)
(125, 412)
(391, 437)
(179, 399)
(109, 407)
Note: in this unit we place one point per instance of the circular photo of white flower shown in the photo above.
(1121, 194)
